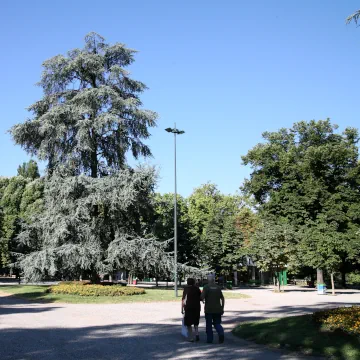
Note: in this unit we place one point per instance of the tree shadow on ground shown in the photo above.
(8, 280)
(10, 304)
(28, 297)
(135, 340)
(7, 310)
(123, 341)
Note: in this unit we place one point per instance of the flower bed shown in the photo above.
(346, 319)
(95, 290)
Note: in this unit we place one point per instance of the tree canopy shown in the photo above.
(306, 175)
(20, 199)
(274, 247)
(90, 114)
(162, 225)
(82, 218)
(219, 225)
(29, 170)
(89, 118)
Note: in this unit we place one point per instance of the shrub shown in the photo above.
(254, 282)
(353, 278)
(95, 290)
(83, 282)
(346, 319)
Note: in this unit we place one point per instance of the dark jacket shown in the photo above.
(192, 295)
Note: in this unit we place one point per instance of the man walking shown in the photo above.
(214, 309)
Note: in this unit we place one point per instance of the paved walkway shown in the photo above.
(142, 330)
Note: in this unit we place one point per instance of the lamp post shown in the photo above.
(175, 131)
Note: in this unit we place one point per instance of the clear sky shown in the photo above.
(224, 71)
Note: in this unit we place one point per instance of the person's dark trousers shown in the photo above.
(213, 319)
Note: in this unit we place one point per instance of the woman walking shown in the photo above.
(191, 304)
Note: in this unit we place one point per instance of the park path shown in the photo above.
(142, 330)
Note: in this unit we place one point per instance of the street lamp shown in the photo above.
(175, 131)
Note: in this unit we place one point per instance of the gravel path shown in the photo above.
(142, 330)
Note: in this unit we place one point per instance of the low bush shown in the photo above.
(301, 282)
(83, 282)
(94, 290)
(346, 319)
(254, 282)
(353, 278)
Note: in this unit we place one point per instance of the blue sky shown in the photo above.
(223, 71)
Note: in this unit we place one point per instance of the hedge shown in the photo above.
(75, 282)
(95, 290)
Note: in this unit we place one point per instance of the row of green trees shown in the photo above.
(209, 231)
(212, 227)
(305, 210)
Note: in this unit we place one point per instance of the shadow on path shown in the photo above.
(125, 341)
(12, 304)
(7, 310)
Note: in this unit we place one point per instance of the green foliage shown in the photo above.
(75, 282)
(32, 200)
(95, 290)
(20, 199)
(29, 170)
(3, 243)
(202, 208)
(322, 246)
(12, 196)
(354, 278)
(140, 255)
(274, 247)
(4, 182)
(163, 226)
(91, 226)
(224, 243)
(11, 219)
(219, 224)
(247, 222)
(82, 218)
(90, 114)
(296, 170)
(308, 176)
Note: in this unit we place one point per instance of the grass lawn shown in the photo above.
(38, 293)
(301, 334)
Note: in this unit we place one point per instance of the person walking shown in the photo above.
(214, 309)
(191, 304)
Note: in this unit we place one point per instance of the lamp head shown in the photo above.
(175, 131)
